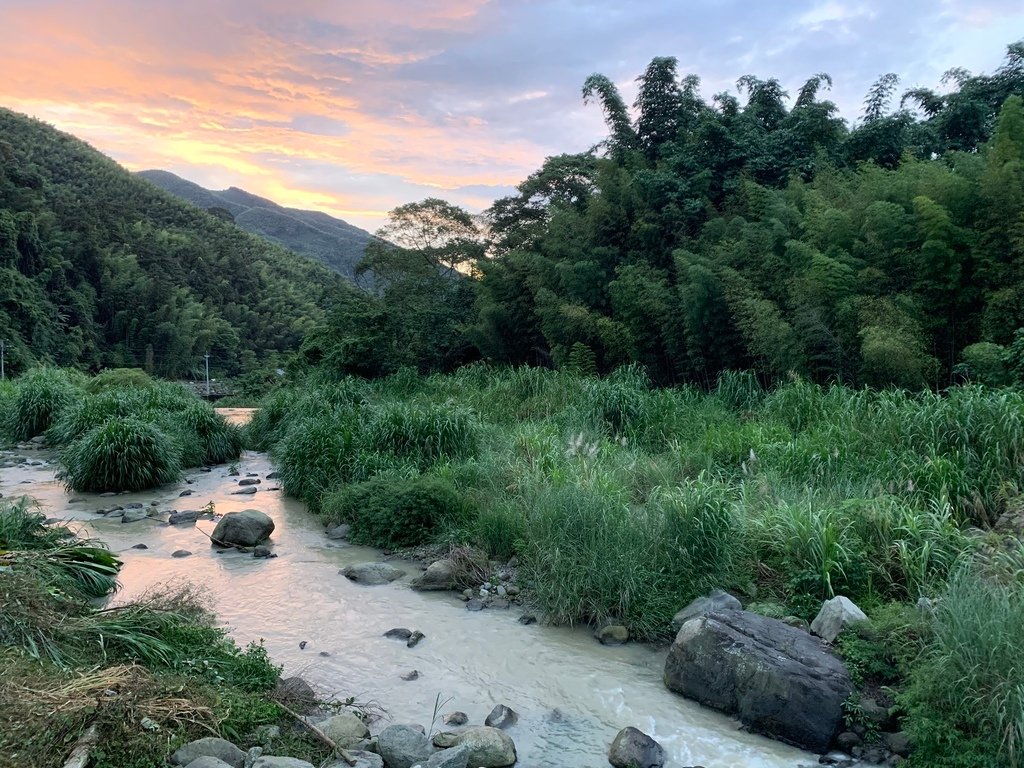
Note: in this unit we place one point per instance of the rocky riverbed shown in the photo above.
(571, 694)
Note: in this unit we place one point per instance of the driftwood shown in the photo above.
(323, 737)
(79, 757)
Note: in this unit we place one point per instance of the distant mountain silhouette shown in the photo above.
(334, 242)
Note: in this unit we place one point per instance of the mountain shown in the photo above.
(101, 268)
(332, 241)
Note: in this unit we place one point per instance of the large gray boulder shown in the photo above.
(779, 680)
(363, 760)
(488, 747)
(208, 762)
(345, 729)
(836, 615)
(402, 746)
(372, 574)
(717, 600)
(440, 575)
(635, 749)
(209, 746)
(244, 529)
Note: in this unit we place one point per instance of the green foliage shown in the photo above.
(394, 513)
(119, 378)
(40, 397)
(422, 434)
(966, 699)
(123, 454)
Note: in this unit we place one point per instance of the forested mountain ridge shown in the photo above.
(98, 268)
(327, 239)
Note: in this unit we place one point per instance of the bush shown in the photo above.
(316, 454)
(119, 378)
(423, 433)
(40, 397)
(392, 513)
(218, 441)
(123, 454)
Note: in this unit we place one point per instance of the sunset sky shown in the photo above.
(356, 107)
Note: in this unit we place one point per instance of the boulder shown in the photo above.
(402, 746)
(488, 747)
(635, 749)
(779, 681)
(371, 574)
(269, 761)
(296, 693)
(246, 528)
(835, 616)
(180, 553)
(456, 718)
(185, 517)
(345, 729)
(363, 759)
(613, 634)
(208, 762)
(414, 639)
(456, 757)
(501, 717)
(339, 532)
(716, 601)
(899, 743)
(248, 481)
(133, 515)
(398, 633)
(246, 491)
(440, 575)
(210, 746)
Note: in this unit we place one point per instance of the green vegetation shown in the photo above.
(149, 674)
(621, 500)
(101, 269)
(121, 430)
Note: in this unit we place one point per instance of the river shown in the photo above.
(572, 694)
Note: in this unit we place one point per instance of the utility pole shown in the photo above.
(3, 352)
(207, 356)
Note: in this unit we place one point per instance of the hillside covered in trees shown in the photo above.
(315, 234)
(101, 269)
(706, 236)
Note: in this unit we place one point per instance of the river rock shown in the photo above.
(269, 761)
(208, 762)
(134, 546)
(414, 639)
(899, 743)
(456, 757)
(780, 681)
(613, 634)
(456, 718)
(246, 491)
(180, 553)
(440, 575)
(248, 481)
(835, 616)
(339, 532)
(716, 600)
(502, 717)
(363, 759)
(246, 528)
(413, 674)
(133, 515)
(398, 633)
(372, 574)
(262, 551)
(402, 746)
(474, 605)
(635, 749)
(210, 746)
(185, 517)
(488, 747)
(345, 729)
(296, 693)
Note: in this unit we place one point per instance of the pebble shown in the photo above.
(180, 553)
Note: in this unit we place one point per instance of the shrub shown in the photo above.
(123, 454)
(391, 513)
(271, 419)
(40, 397)
(218, 441)
(119, 378)
(317, 453)
(91, 411)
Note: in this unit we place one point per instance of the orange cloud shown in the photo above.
(203, 92)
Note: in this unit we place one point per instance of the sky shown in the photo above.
(355, 108)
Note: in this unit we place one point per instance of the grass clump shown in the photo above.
(119, 378)
(123, 454)
(393, 513)
(40, 396)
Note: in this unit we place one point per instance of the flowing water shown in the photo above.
(573, 694)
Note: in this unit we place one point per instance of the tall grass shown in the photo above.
(40, 395)
(122, 454)
(967, 697)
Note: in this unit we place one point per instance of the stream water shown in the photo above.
(572, 694)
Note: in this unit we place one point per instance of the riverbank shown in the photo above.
(573, 694)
